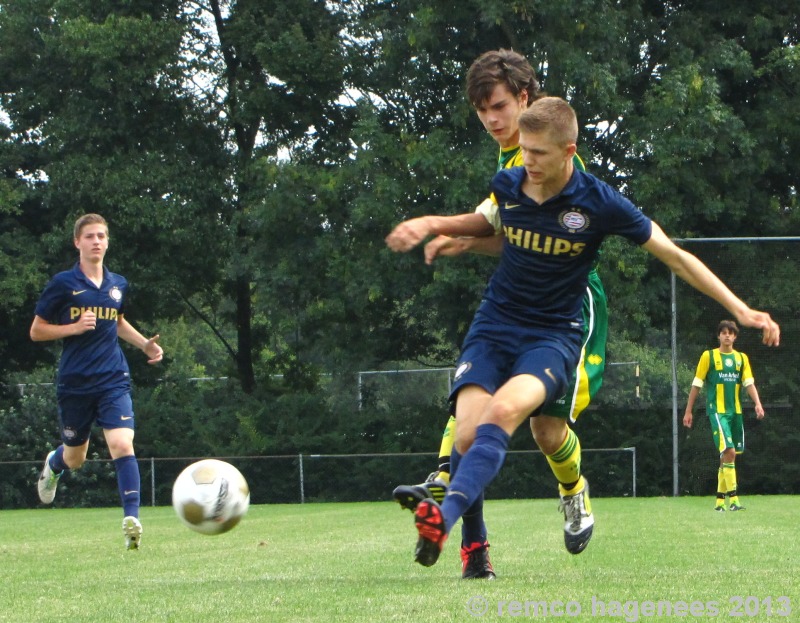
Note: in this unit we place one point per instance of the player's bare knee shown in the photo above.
(729, 455)
(120, 449)
(119, 442)
(548, 432)
(504, 413)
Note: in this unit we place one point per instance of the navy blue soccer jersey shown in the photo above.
(549, 249)
(91, 361)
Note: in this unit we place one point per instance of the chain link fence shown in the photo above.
(291, 479)
(640, 406)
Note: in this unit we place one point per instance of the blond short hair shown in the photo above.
(88, 219)
(553, 115)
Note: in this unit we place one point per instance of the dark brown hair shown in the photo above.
(500, 67)
(728, 324)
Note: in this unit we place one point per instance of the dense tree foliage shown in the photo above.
(251, 155)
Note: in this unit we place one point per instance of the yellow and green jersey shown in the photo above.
(512, 157)
(724, 375)
(509, 157)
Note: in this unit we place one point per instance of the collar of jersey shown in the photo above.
(79, 275)
(517, 175)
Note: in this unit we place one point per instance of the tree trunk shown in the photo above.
(244, 356)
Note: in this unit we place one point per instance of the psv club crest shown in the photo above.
(573, 220)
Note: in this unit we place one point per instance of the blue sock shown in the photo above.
(57, 460)
(455, 459)
(473, 528)
(477, 468)
(128, 482)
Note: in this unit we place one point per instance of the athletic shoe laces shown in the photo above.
(572, 508)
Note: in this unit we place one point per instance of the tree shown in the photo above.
(158, 114)
(251, 156)
(91, 94)
(275, 75)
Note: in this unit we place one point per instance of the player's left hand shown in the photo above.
(153, 350)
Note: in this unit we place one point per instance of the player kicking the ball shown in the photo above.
(500, 85)
(526, 337)
(84, 307)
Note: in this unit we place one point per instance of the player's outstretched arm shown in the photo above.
(412, 232)
(699, 276)
(447, 246)
(149, 346)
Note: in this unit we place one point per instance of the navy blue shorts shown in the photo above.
(78, 412)
(492, 353)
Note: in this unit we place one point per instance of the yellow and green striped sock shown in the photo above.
(566, 464)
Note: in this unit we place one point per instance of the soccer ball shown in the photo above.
(210, 496)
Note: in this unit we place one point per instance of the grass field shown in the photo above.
(354, 562)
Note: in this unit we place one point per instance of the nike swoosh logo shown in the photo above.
(129, 492)
(511, 206)
(77, 292)
(125, 417)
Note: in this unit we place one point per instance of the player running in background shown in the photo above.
(726, 371)
(500, 85)
(526, 337)
(84, 307)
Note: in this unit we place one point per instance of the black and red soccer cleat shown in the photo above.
(432, 532)
(475, 564)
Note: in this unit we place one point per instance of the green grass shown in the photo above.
(353, 562)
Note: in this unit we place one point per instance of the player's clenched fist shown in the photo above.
(87, 322)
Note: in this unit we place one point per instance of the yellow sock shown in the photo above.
(446, 449)
(448, 437)
(572, 491)
(729, 470)
(566, 464)
(721, 487)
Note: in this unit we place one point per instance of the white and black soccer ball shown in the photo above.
(210, 496)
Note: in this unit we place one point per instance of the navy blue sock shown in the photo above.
(57, 460)
(473, 528)
(128, 482)
(476, 469)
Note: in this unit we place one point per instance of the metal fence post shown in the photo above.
(674, 349)
(302, 482)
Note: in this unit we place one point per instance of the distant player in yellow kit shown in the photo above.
(726, 371)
